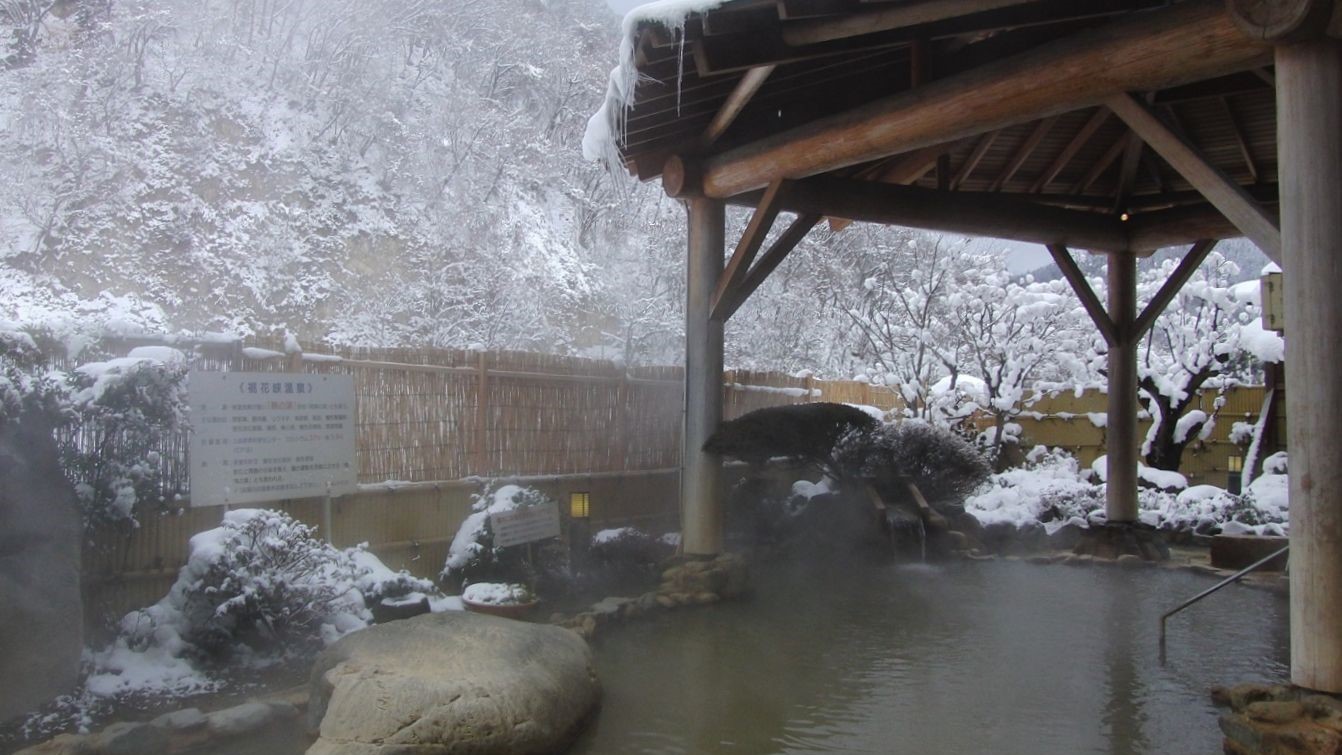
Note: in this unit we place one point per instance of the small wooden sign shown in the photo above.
(525, 524)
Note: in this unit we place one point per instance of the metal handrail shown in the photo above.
(1232, 578)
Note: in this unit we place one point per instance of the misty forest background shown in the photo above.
(409, 173)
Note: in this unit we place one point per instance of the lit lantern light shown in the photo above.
(579, 505)
(1235, 464)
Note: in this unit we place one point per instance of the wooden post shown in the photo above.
(481, 415)
(1121, 425)
(700, 504)
(1309, 118)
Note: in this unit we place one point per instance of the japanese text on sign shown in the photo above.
(264, 436)
(525, 524)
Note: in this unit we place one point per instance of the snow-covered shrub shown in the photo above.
(473, 557)
(1262, 509)
(27, 388)
(627, 547)
(943, 465)
(377, 583)
(1050, 487)
(259, 583)
(121, 412)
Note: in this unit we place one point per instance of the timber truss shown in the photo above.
(1117, 126)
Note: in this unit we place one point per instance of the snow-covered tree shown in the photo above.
(1208, 338)
(1012, 333)
(902, 316)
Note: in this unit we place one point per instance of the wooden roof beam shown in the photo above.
(1062, 257)
(1157, 49)
(1222, 192)
(740, 96)
(751, 241)
(768, 262)
(1171, 287)
(971, 213)
(1148, 231)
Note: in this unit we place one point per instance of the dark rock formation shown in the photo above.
(806, 432)
(41, 627)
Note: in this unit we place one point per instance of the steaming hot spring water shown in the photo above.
(963, 657)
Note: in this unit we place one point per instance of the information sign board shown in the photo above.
(265, 436)
(525, 524)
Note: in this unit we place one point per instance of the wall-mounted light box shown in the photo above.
(579, 505)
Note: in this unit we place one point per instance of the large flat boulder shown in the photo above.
(41, 626)
(452, 683)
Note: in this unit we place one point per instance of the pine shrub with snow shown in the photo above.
(260, 583)
(943, 465)
(473, 557)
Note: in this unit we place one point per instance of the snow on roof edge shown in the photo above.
(598, 142)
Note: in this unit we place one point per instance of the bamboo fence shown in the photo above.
(433, 424)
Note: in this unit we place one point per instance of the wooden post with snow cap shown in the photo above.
(1121, 424)
(700, 502)
(1309, 119)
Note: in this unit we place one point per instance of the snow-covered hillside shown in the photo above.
(392, 172)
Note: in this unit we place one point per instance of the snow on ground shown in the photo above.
(1161, 478)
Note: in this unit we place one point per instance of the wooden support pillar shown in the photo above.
(700, 504)
(1121, 424)
(1309, 119)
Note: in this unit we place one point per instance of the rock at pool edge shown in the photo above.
(452, 682)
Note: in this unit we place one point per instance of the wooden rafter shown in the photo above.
(1170, 288)
(1153, 168)
(901, 170)
(751, 241)
(768, 262)
(1023, 154)
(883, 19)
(1238, 133)
(1224, 194)
(1107, 159)
(966, 168)
(1062, 257)
(1127, 172)
(1096, 120)
(745, 89)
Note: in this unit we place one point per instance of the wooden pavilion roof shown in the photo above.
(749, 76)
